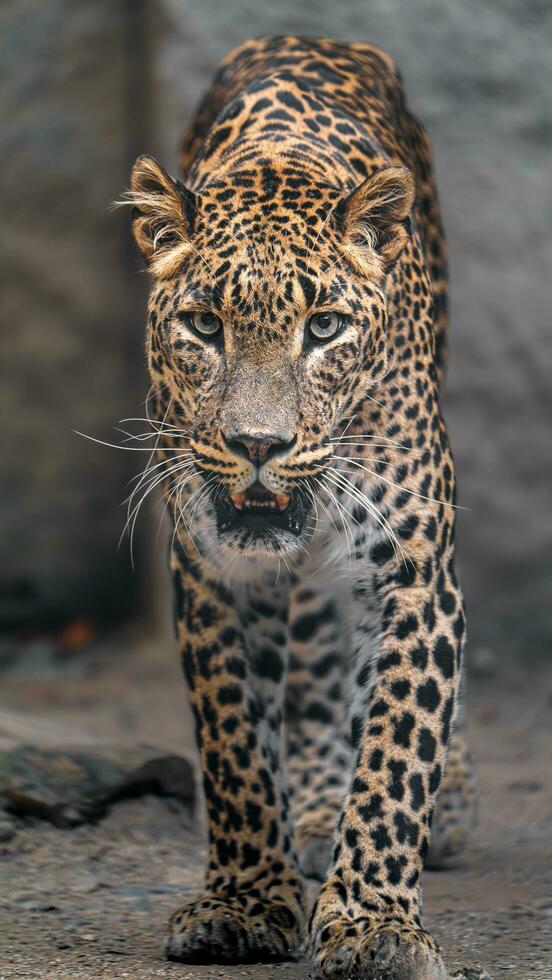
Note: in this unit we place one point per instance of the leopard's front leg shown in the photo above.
(251, 906)
(367, 921)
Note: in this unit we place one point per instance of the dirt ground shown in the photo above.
(93, 901)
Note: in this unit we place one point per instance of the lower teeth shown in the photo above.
(277, 502)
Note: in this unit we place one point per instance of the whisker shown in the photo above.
(115, 445)
(201, 496)
(312, 496)
(150, 472)
(181, 514)
(392, 416)
(398, 486)
(139, 484)
(341, 480)
(144, 436)
(385, 440)
(283, 557)
(320, 230)
(375, 445)
(343, 510)
(355, 435)
(133, 514)
(187, 457)
(155, 424)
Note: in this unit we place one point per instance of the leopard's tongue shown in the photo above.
(239, 499)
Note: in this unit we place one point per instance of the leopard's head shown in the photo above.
(267, 326)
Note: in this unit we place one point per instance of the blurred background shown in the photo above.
(89, 84)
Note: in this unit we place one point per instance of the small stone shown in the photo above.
(69, 777)
(471, 973)
(36, 905)
(85, 884)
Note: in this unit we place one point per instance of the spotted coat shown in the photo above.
(296, 345)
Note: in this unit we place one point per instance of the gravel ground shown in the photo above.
(93, 901)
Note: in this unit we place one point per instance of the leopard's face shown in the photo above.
(265, 333)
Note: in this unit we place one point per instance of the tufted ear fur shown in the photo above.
(163, 212)
(371, 219)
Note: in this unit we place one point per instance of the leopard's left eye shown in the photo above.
(324, 326)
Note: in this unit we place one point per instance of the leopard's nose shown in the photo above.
(259, 448)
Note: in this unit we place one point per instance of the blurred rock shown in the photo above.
(69, 777)
(71, 338)
(471, 973)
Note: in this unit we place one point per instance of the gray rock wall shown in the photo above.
(71, 333)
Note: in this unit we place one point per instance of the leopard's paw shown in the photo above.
(241, 928)
(369, 949)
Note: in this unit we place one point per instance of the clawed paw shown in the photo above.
(237, 929)
(361, 949)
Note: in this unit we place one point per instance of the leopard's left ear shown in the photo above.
(372, 218)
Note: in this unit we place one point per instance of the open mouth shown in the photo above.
(258, 509)
(259, 500)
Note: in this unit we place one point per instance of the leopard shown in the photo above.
(296, 344)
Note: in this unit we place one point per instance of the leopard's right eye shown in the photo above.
(205, 324)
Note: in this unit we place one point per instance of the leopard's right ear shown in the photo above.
(163, 217)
